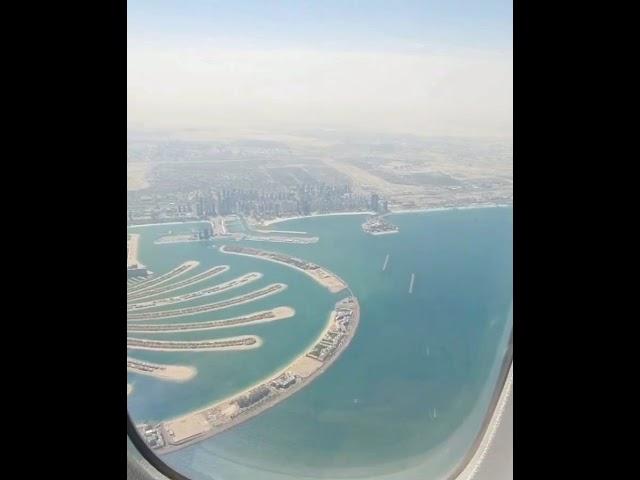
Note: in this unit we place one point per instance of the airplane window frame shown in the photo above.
(146, 453)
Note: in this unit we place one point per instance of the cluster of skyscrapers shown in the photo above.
(260, 204)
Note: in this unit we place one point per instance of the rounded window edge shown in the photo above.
(162, 471)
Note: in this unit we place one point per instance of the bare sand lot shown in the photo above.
(327, 279)
(132, 249)
(137, 176)
(187, 428)
(305, 366)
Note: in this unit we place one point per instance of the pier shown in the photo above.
(413, 277)
(386, 260)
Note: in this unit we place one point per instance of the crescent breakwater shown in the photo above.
(198, 425)
(324, 277)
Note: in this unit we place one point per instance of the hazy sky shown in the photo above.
(423, 67)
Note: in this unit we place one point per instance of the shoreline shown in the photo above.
(444, 209)
(297, 217)
(331, 288)
(266, 223)
(274, 401)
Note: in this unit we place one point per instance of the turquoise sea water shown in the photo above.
(371, 415)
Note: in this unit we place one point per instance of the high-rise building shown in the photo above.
(375, 202)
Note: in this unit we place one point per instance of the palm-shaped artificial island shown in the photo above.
(146, 293)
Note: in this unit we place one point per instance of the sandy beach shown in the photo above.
(444, 209)
(173, 373)
(284, 219)
(278, 313)
(266, 223)
(206, 345)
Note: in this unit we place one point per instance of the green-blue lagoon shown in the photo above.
(408, 396)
